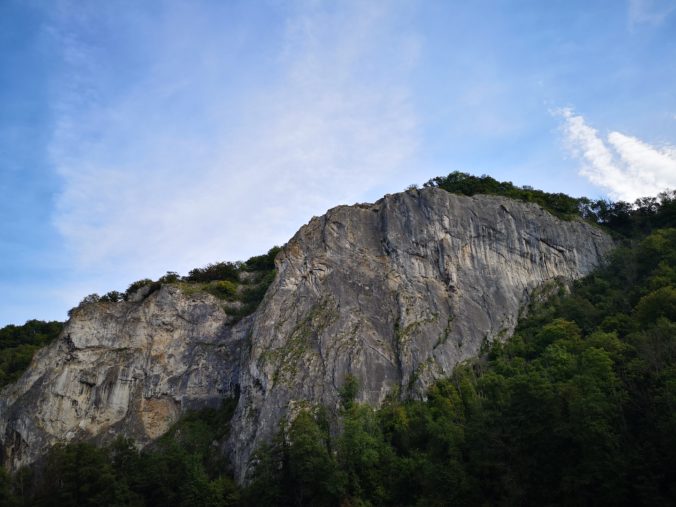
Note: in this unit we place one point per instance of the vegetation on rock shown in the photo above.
(19, 343)
(241, 283)
(183, 468)
(623, 218)
(577, 408)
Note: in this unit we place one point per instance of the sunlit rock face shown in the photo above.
(394, 293)
(125, 368)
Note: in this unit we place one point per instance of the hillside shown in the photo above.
(408, 305)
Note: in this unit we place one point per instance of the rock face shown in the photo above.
(394, 293)
(124, 368)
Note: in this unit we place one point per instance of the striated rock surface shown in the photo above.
(395, 293)
(125, 368)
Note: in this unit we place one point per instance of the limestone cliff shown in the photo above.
(395, 293)
(124, 368)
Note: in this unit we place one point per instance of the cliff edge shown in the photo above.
(394, 294)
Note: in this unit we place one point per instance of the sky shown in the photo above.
(143, 137)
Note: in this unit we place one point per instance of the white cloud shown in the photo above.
(195, 156)
(626, 167)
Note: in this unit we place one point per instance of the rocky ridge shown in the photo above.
(394, 293)
(127, 368)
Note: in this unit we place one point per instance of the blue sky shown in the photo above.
(141, 137)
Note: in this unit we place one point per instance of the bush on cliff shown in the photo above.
(19, 343)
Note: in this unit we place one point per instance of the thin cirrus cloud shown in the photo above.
(651, 12)
(625, 166)
(164, 173)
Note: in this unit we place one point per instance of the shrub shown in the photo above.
(136, 286)
(170, 277)
(112, 297)
(224, 289)
(218, 271)
(348, 391)
(19, 343)
(90, 299)
(263, 262)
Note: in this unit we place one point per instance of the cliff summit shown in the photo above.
(394, 294)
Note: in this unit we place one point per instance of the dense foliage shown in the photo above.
(232, 270)
(19, 343)
(183, 468)
(243, 284)
(623, 218)
(457, 182)
(577, 408)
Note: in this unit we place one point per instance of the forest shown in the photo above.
(577, 408)
(19, 343)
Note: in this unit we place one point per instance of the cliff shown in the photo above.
(125, 368)
(394, 293)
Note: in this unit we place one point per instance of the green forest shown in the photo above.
(577, 408)
(19, 343)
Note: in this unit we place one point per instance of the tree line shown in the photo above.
(577, 408)
(621, 218)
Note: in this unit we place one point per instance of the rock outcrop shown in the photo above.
(394, 293)
(125, 368)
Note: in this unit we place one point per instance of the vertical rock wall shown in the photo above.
(395, 293)
(125, 368)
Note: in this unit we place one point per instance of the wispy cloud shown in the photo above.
(651, 12)
(626, 167)
(192, 155)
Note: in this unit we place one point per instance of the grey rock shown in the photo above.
(394, 293)
(127, 368)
